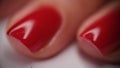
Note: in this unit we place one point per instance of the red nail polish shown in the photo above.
(104, 33)
(37, 29)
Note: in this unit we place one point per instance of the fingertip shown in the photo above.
(43, 28)
(98, 36)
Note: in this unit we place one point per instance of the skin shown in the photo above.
(73, 12)
(91, 50)
(9, 7)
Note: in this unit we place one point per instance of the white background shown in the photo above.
(69, 58)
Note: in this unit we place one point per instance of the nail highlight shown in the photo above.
(104, 33)
(36, 29)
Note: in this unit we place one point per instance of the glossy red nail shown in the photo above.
(37, 29)
(104, 33)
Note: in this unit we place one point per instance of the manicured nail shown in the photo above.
(104, 33)
(36, 29)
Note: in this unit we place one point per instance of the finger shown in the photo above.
(99, 35)
(44, 27)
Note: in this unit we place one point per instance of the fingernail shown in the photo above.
(104, 33)
(36, 29)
